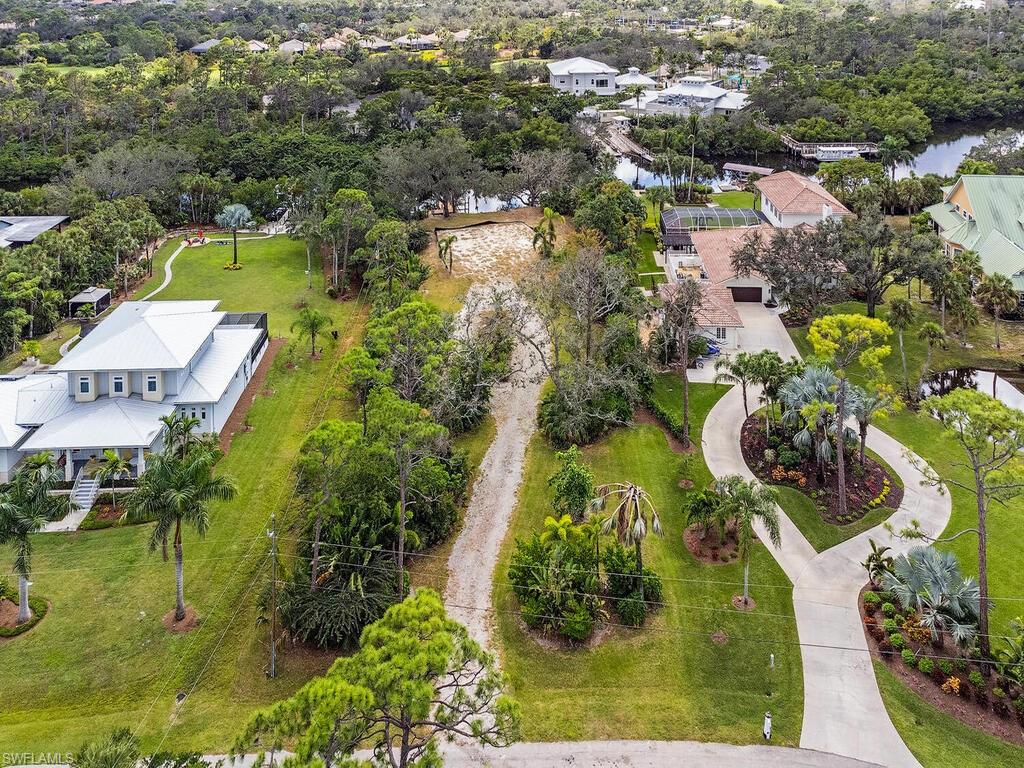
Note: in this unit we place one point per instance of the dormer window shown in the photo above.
(117, 385)
(84, 384)
(151, 385)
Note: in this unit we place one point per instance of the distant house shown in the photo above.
(293, 46)
(462, 36)
(984, 214)
(634, 77)
(207, 45)
(416, 42)
(145, 361)
(579, 75)
(16, 231)
(789, 200)
(375, 44)
(334, 43)
(257, 46)
(692, 94)
(348, 34)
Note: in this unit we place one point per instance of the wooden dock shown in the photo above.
(809, 149)
(622, 144)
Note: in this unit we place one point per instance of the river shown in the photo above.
(941, 155)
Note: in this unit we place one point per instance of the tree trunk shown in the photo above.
(746, 580)
(344, 262)
(863, 441)
(640, 571)
(24, 612)
(942, 311)
(871, 302)
(309, 268)
(903, 360)
(840, 453)
(995, 322)
(983, 638)
(179, 576)
(401, 528)
(234, 243)
(746, 410)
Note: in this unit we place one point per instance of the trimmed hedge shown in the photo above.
(662, 415)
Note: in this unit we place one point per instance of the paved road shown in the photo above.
(843, 710)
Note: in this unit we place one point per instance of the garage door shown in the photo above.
(746, 294)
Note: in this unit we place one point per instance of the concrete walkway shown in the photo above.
(169, 273)
(843, 710)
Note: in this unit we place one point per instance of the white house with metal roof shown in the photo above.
(16, 231)
(580, 75)
(692, 94)
(144, 361)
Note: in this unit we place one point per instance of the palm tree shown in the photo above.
(177, 491)
(746, 503)
(808, 401)
(446, 250)
(892, 150)
(932, 335)
(929, 581)
(693, 130)
(591, 529)
(113, 466)
(878, 563)
(635, 92)
(997, 294)
(559, 531)
(631, 510)
(25, 507)
(705, 509)
(659, 196)
(544, 233)
(902, 317)
(179, 434)
(234, 217)
(311, 322)
(865, 406)
(738, 369)
(683, 304)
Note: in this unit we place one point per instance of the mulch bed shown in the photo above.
(106, 513)
(190, 622)
(970, 707)
(236, 420)
(746, 607)
(862, 484)
(8, 614)
(9, 618)
(710, 550)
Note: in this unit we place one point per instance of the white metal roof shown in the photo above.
(11, 429)
(578, 65)
(43, 399)
(25, 229)
(635, 77)
(145, 335)
(212, 375)
(124, 422)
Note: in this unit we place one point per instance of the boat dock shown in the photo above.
(622, 144)
(811, 149)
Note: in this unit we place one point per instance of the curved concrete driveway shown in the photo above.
(843, 709)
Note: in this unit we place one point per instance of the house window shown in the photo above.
(721, 333)
(84, 385)
(602, 83)
(193, 412)
(202, 414)
(151, 383)
(118, 387)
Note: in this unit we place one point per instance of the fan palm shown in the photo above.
(113, 466)
(865, 407)
(930, 582)
(631, 509)
(234, 217)
(25, 507)
(747, 503)
(177, 491)
(997, 294)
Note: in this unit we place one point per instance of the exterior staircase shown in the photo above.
(85, 492)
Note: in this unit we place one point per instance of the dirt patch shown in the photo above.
(236, 421)
(976, 708)
(106, 513)
(187, 624)
(8, 614)
(719, 638)
(864, 484)
(710, 550)
(491, 251)
(643, 416)
(740, 605)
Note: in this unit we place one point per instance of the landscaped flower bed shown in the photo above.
(938, 671)
(774, 460)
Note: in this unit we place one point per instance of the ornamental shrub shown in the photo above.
(632, 610)
(888, 610)
(946, 666)
(898, 642)
(927, 666)
(790, 459)
(976, 679)
(891, 627)
(909, 658)
(577, 621)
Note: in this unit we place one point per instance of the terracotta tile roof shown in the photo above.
(792, 193)
(718, 309)
(716, 247)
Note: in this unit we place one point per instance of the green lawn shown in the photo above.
(935, 738)
(667, 680)
(737, 199)
(101, 658)
(648, 268)
(820, 534)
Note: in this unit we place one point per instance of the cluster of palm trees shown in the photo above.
(738, 505)
(765, 369)
(175, 492)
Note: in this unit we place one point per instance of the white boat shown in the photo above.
(837, 152)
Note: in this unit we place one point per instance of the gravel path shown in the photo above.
(475, 553)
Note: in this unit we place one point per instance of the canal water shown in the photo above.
(941, 155)
(1002, 385)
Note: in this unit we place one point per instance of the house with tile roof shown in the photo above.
(788, 200)
(145, 361)
(984, 214)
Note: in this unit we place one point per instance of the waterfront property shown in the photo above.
(691, 95)
(580, 75)
(143, 362)
(789, 200)
(985, 214)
